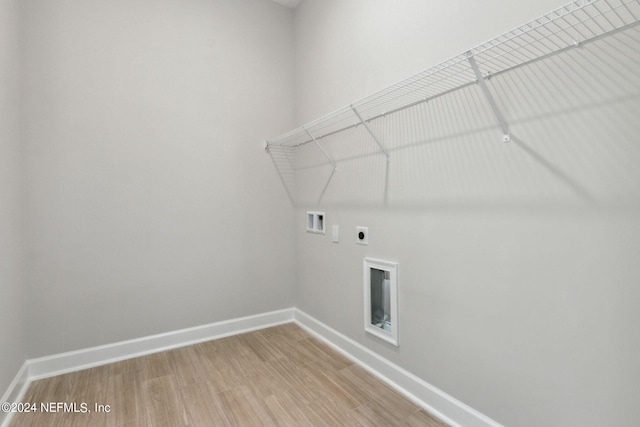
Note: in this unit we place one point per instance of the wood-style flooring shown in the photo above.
(279, 376)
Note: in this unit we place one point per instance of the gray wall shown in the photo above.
(12, 291)
(151, 204)
(518, 269)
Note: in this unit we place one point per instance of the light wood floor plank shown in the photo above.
(279, 376)
(371, 415)
(165, 407)
(333, 386)
(261, 347)
(422, 418)
(203, 405)
(293, 378)
(243, 408)
(292, 331)
(124, 395)
(124, 366)
(327, 413)
(221, 371)
(296, 352)
(264, 384)
(155, 365)
(247, 364)
(322, 351)
(378, 392)
(186, 366)
(139, 422)
(232, 346)
(286, 410)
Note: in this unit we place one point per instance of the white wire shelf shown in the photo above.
(572, 25)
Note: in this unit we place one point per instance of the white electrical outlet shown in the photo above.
(362, 235)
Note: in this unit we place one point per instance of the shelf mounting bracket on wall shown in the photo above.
(322, 149)
(506, 136)
(373, 135)
(575, 24)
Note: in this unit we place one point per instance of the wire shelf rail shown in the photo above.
(570, 26)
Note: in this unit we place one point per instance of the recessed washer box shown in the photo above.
(315, 222)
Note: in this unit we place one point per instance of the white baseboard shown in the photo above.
(48, 366)
(421, 392)
(15, 392)
(94, 356)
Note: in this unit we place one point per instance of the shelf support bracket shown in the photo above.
(506, 136)
(373, 135)
(321, 149)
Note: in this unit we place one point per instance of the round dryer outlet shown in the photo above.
(362, 235)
